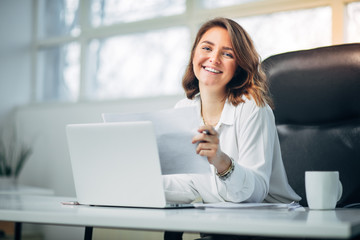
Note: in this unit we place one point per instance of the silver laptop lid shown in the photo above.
(116, 164)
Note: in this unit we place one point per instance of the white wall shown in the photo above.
(15, 55)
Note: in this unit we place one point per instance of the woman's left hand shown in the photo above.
(209, 146)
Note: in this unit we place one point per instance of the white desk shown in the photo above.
(340, 223)
(8, 187)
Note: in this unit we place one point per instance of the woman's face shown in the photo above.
(214, 62)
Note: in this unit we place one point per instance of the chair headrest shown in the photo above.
(315, 86)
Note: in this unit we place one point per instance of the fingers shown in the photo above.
(208, 142)
(210, 154)
(203, 137)
(209, 130)
(207, 149)
(207, 134)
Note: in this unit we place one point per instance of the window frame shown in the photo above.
(193, 16)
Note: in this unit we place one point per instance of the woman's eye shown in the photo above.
(229, 55)
(206, 48)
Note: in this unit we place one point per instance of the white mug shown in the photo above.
(323, 189)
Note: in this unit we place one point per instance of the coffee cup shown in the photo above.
(323, 189)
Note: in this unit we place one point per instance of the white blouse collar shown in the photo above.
(227, 115)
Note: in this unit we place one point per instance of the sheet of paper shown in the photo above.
(174, 130)
(230, 205)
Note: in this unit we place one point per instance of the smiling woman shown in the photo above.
(237, 132)
(214, 63)
(242, 64)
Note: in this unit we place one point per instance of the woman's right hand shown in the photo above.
(209, 146)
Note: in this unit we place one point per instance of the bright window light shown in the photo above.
(143, 64)
(58, 72)
(58, 18)
(106, 12)
(274, 33)
(352, 28)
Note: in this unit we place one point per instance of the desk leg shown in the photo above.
(18, 226)
(88, 233)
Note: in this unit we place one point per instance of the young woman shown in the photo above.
(237, 133)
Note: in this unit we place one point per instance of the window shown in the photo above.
(59, 72)
(58, 18)
(223, 3)
(111, 11)
(353, 22)
(274, 33)
(109, 49)
(138, 65)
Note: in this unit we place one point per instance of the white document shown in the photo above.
(174, 130)
(230, 205)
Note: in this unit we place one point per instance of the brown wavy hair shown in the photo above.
(249, 79)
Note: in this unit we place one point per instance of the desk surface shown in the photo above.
(340, 223)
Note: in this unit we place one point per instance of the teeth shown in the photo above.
(211, 70)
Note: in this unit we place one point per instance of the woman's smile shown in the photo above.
(214, 62)
(211, 69)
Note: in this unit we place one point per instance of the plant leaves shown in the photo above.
(2, 164)
(24, 155)
(3, 161)
(12, 155)
(8, 171)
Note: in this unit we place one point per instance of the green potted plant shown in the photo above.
(13, 156)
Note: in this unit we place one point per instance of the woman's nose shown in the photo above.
(215, 57)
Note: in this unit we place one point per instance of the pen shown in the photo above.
(207, 132)
(70, 203)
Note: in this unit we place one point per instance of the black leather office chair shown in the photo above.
(316, 94)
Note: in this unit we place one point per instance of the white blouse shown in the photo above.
(248, 135)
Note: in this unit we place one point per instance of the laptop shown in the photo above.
(117, 164)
